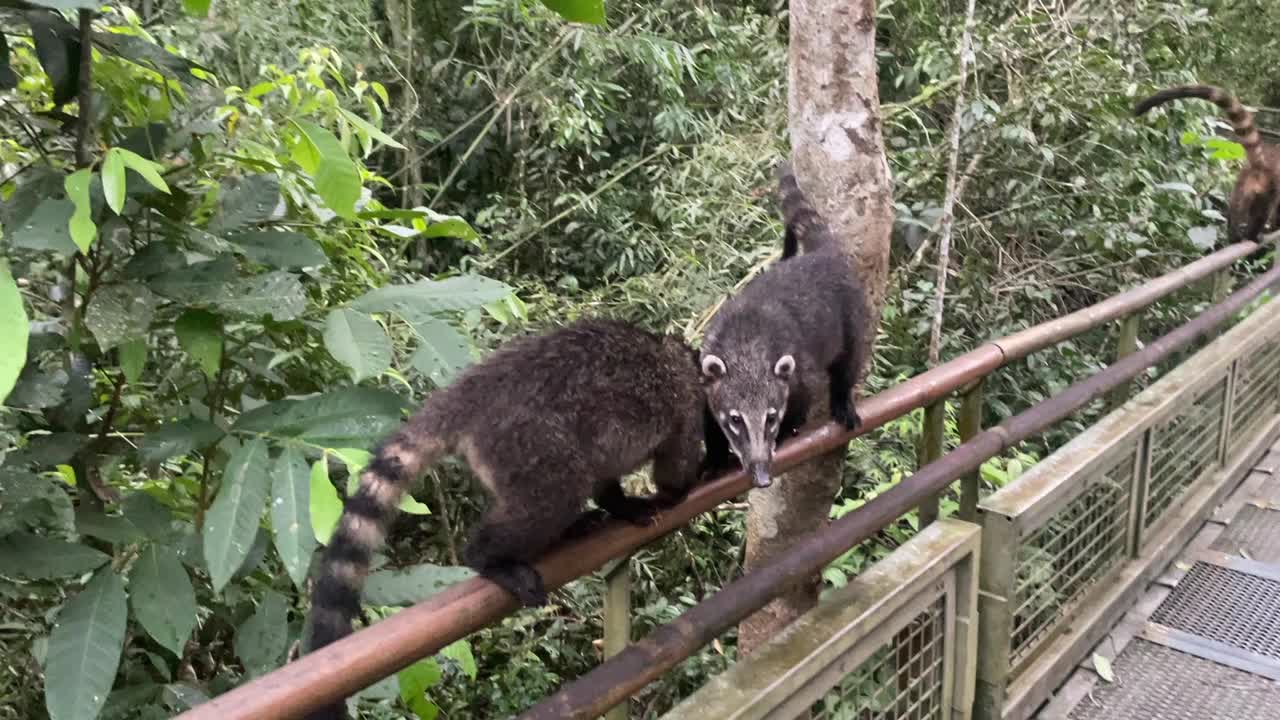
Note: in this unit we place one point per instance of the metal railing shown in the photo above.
(898, 641)
(422, 630)
(1069, 544)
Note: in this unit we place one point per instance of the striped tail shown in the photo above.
(1240, 118)
(805, 228)
(362, 529)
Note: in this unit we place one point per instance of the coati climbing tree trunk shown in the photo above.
(839, 158)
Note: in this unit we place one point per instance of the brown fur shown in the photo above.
(1254, 205)
(545, 423)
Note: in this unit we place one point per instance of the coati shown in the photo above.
(544, 422)
(1252, 207)
(765, 351)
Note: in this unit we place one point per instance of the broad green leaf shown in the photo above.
(232, 522)
(118, 313)
(291, 513)
(81, 225)
(336, 178)
(44, 451)
(178, 438)
(285, 250)
(1224, 149)
(162, 597)
(415, 680)
(33, 501)
(133, 358)
(47, 228)
(435, 224)
(351, 417)
(14, 332)
(67, 4)
(358, 342)
(199, 8)
(413, 302)
(443, 351)
(39, 558)
(460, 652)
(200, 334)
(260, 641)
(84, 649)
(138, 50)
(149, 170)
(278, 294)
(586, 11)
(113, 181)
(410, 585)
(326, 508)
(369, 129)
(92, 522)
(198, 284)
(148, 515)
(245, 201)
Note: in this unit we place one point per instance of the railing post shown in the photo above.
(1222, 282)
(997, 598)
(1126, 344)
(970, 422)
(932, 440)
(617, 620)
(1139, 489)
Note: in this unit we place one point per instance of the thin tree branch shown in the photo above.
(84, 128)
(949, 202)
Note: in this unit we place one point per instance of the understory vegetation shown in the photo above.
(292, 220)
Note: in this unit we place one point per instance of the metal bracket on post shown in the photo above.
(970, 422)
(932, 443)
(617, 619)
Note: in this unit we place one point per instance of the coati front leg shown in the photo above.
(842, 409)
(797, 414)
(635, 510)
(719, 458)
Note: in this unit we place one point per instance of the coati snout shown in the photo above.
(750, 410)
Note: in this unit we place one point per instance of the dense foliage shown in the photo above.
(290, 220)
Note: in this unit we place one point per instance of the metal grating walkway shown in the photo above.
(1204, 642)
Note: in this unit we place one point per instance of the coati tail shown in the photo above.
(335, 597)
(804, 226)
(1240, 118)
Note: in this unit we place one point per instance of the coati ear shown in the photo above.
(784, 367)
(712, 367)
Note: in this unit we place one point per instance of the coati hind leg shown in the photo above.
(612, 499)
(676, 466)
(842, 409)
(513, 535)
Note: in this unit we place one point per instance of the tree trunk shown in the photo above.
(839, 159)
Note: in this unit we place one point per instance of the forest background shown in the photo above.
(293, 219)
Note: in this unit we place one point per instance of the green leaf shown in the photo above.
(369, 129)
(8, 78)
(200, 334)
(291, 513)
(245, 201)
(133, 358)
(81, 225)
(148, 515)
(460, 652)
(1103, 666)
(443, 351)
(410, 585)
(178, 438)
(39, 558)
(585, 11)
(92, 522)
(232, 522)
(84, 649)
(145, 53)
(198, 283)
(414, 302)
(326, 508)
(1224, 149)
(351, 417)
(162, 597)
(48, 227)
(260, 641)
(118, 313)
(199, 8)
(14, 331)
(358, 342)
(149, 170)
(283, 250)
(414, 681)
(336, 178)
(32, 501)
(44, 451)
(278, 294)
(113, 182)
(67, 4)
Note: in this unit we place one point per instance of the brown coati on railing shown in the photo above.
(1252, 207)
(545, 422)
(765, 351)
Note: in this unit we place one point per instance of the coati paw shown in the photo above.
(846, 416)
(641, 515)
(522, 581)
(586, 523)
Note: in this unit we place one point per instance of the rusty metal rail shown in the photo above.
(375, 652)
(621, 676)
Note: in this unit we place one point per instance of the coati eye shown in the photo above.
(735, 420)
(771, 417)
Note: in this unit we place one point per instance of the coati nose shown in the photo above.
(760, 475)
